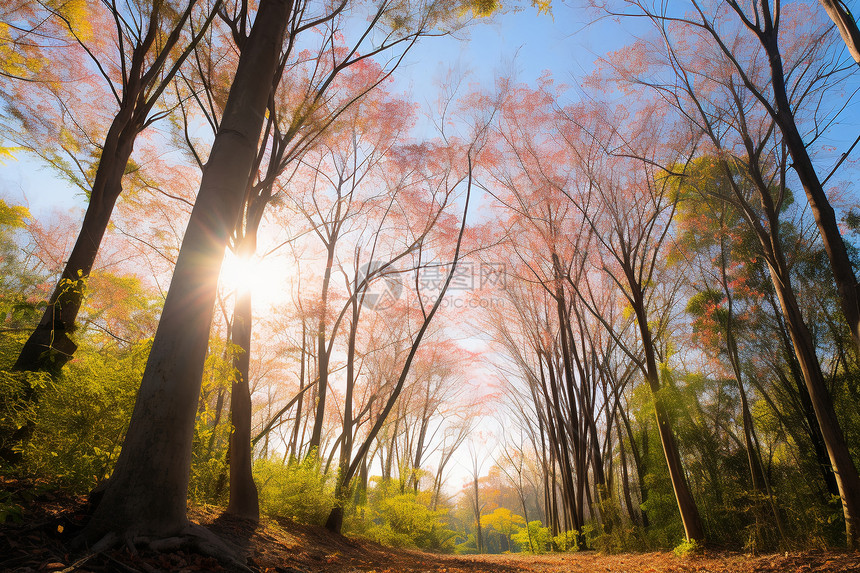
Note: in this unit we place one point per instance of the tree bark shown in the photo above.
(147, 492)
(244, 500)
(50, 345)
(846, 25)
(686, 504)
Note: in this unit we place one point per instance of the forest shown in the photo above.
(266, 268)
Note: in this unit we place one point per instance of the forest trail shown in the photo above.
(38, 542)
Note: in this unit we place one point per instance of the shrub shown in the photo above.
(688, 547)
(80, 423)
(566, 541)
(403, 519)
(535, 538)
(298, 490)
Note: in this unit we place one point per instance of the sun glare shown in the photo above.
(265, 278)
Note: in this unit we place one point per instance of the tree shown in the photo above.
(152, 43)
(146, 494)
(749, 134)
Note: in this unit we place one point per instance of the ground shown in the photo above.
(37, 540)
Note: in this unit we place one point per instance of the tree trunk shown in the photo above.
(334, 523)
(635, 516)
(294, 441)
(50, 346)
(244, 500)
(479, 537)
(147, 492)
(323, 352)
(686, 504)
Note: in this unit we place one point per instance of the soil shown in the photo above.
(37, 540)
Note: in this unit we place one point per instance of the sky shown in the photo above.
(520, 42)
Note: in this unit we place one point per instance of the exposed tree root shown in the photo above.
(193, 538)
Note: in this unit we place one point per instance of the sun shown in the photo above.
(266, 278)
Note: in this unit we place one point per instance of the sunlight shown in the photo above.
(265, 278)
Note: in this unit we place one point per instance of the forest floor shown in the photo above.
(37, 540)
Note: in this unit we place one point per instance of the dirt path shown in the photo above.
(39, 541)
(657, 563)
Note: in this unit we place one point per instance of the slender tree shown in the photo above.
(152, 42)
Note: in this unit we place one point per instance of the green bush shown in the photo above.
(298, 490)
(566, 541)
(80, 421)
(402, 520)
(687, 547)
(535, 538)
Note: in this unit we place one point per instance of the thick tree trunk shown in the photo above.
(147, 492)
(50, 346)
(334, 523)
(244, 501)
